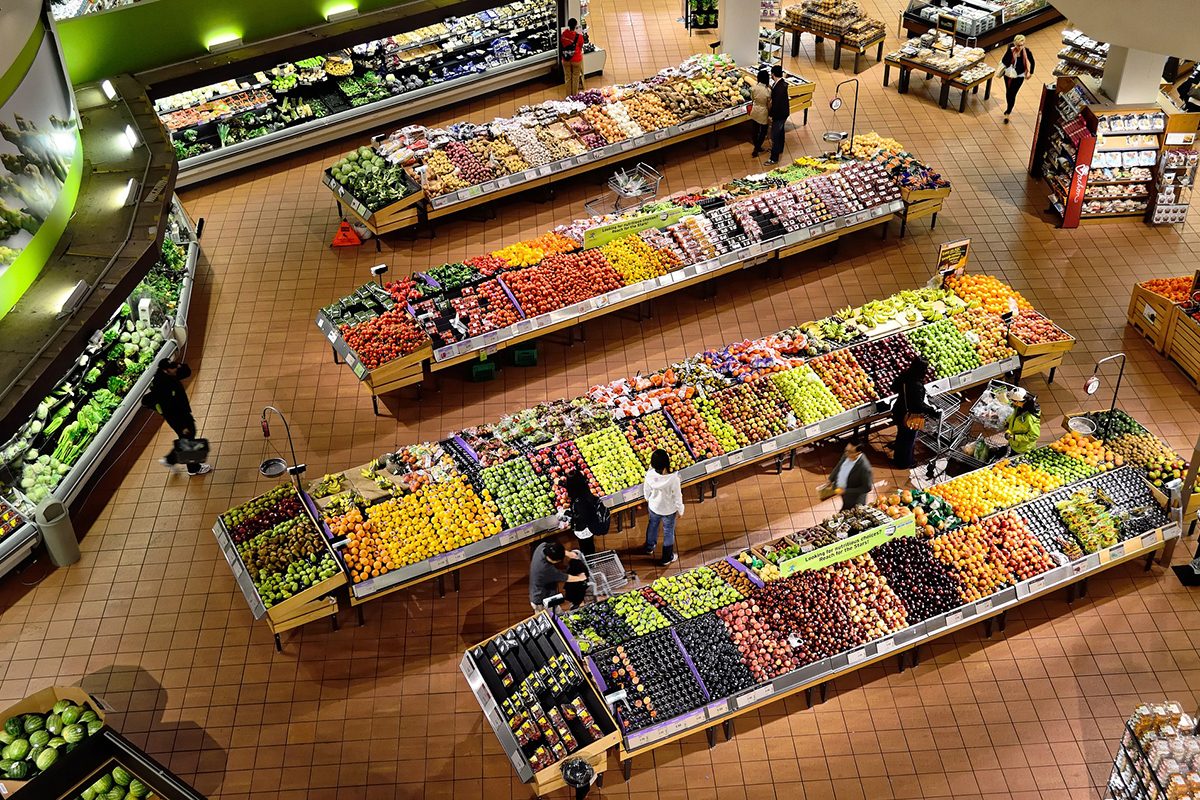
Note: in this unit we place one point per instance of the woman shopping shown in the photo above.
(1025, 425)
(584, 512)
(664, 497)
(909, 411)
(760, 96)
(1017, 66)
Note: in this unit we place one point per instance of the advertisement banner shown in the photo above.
(604, 234)
(850, 547)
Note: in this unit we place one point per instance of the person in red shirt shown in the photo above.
(571, 42)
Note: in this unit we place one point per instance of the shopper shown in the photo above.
(664, 498)
(571, 42)
(1024, 426)
(1018, 65)
(760, 97)
(1189, 91)
(908, 411)
(167, 398)
(779, 113)
(585, 513)
(551, 569)
(852, 477)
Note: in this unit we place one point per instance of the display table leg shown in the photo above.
(887, 74)
(1003, 621)
(1083, 588)
(375, 405)
(1071, 594)
(901, 662)
(837, 54)
(362, 620)
(1050, 377)
(792, 458)
(857, 57)
(904, 221)
(441, 586)
(278, 644)
(883, 229)
(336, 360)
(944, 95)
(727, 725)
(806, 116)
(700, 493)
(879, 52)
(633, 517)
(987, 628)
(333, 620)
(795, 44)
(915, 656)
(779, 464)
(712, 487)
(457, 585)
(933, 225)
(1150, 560)
(962, 101)
(808, 697)
(627, 768)
(987, 90)
(711, 733)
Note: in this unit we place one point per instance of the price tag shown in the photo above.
(856, 656)
(660, 135)
(769, 445)
(1117, 550)
(983, 606)
(455, 556)
(714, 710)
(1150, 539)
(954, 618)
(1029, 587)
(735, 458)
(627, 145)
(601, 300)
(812, 431)
(750, 698)
(885, 645)
(332, 337)
(713, 466)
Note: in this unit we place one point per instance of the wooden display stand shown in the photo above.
(839, 43)
(920, 203)
(1151, 315)
(1045, 357)
(949, 80)
(1183, 344)
(1001, 34)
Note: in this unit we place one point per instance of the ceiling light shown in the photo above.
(131, 193)
(223, 43)
(340, 12)
(73, 299)
(132, 137)
(109, 90)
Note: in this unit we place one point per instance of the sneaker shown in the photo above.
(770, 162)
(648, 552)
(756, 154)
(204, 470)
(674, 558)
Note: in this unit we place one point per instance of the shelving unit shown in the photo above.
(1138, 776)
(1081, 55)
(701, 15)
(1174, 182)
(979, 23)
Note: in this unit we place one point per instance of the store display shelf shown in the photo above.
(1118, 183)
(1126, 149)
(1112, 214)
(355, 120)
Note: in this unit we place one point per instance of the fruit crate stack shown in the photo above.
(42, 731)
(1152, 306)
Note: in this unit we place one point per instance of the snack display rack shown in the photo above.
(422, 204)
(1142, 536)
(980, 23)
(1156, 756)
(1100, 159)
(937, 55)
(72, 409)
(1080, 55)
(263, 106)
(453, 343)
(91, 759)
(606, 433)
(842, 22)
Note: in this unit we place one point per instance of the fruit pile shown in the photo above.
(638, 613)
(1060, 465)
(986, 292)
(699, 438)
(556, 462)
(1088, 520)
(1177, 290)
(729, 437)
(976, 562)
(521, 494)
(654, 432)
(987, 332)
(611, 459)
(1162, 464)
(598, 625)
(695, 592)
(287, 559)
(841, 372)
(763, 651)
(1017, 548)
(385, 338)
(885, 359)
(262, 513)
(755, 410)
(635, 261)
(979, 493)
(925, 584)
(945, 348)
(1088, 449)
(809, 398)
(1032, 328)
(657, 681)
(716, 656)
(733, 576)
(34, 742)
(765, 570)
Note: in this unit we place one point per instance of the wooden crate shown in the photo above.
(1026, 350)
(399, 372)
(285, 613)
(919, 195)
(1041, 364)
(41, 702)
(1183, 345)
(551, 780)
(920, 209)
(1150, 314)
(308, 612)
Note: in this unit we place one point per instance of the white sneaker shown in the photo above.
(204, 470)
(168, 464)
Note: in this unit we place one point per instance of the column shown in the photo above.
(1132, 77)
(738, 27)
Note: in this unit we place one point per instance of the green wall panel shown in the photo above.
(154, 33)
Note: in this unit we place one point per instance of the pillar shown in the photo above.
(1132, 77)
(738, 22)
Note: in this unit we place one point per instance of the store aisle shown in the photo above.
(381, 711)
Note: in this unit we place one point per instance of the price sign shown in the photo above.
(885, 645)
(1030, 587)
(543, 171)
(812, 431)
(713, 466)
(769, 445)
(954, 618)
(736, 458)
(856, 656)
(627, 145)
(983, 606)
(455, 556)
(504, 182)
(714, 710)
(332, 337)
(1117, 550)
(1150, 539)
(750, 698)
(508, 537)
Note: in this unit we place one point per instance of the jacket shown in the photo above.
(859, 482)
(1022, 431)
(568, 39)
(910, 399)
(664, 494)
(1008, 59)
(582, 514)
(780, 108)
(166, 394)
(760, 94)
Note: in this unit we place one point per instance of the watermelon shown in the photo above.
(121, 776)
(88, 794)
(103, 784)
(89, 716)
(60, 705)
(17, 750)
(6, 738)
(54, 724)
(74, 733)
(12, 726)
(46, 758)
(56, 742)
(39, 737)
(71, 714)
(138, 789)
(5, 763)
(94, 726)
(19, 771)
(34, 752)
(34, 722)
(115, 793)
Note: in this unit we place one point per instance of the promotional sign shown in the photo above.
(952, 257)
(603, 234)
(850, 547)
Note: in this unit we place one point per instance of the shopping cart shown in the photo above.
(608, 576)
(627, 188)
(966, 440)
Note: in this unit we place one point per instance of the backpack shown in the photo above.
(603, 519)
(568, 51)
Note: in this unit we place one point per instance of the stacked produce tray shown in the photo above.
(60, 448)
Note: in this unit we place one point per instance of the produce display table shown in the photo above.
(839, 43)
(920, 203)
(1163, 311)
(17, 541)
(907, 66)
(1146, 537)
(1001, 34)
(972, 87)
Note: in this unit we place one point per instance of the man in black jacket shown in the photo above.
(780, 111)
(852, 477)
(167, 397)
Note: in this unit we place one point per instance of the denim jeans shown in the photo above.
(777, 135)
(668, 526)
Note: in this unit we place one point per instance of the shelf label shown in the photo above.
(1031, 586)
(856, 656)
(954, 618)
(983, 606)
(885, 645)
(713, 466)
(332, 337)
(812, 431)
(752, 697)
(736, 458)
(1152, 538)
(717, 709)
(769, 445)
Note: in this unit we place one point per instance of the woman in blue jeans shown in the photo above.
(664, 496)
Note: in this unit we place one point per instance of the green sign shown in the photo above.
(604, 234)
(850, 547)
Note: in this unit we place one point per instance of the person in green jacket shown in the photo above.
(1025, 425)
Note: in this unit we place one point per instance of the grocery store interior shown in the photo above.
(1001, 619)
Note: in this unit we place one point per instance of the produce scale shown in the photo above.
(395, 335)
(56, 451)
(416, 174)
(696, 649)
(428, 510)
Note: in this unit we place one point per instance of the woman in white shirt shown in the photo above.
(664, 496)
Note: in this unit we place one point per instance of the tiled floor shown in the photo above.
(151, 619)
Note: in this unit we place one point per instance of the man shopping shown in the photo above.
(571, 42)
(780, 111)
(167, 397)
(852, 477)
